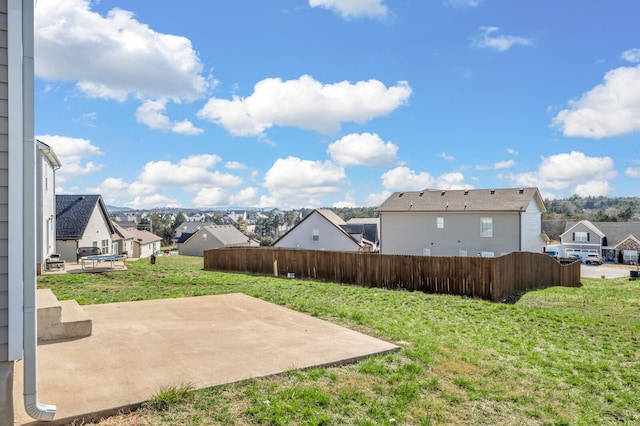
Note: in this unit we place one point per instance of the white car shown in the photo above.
(593, 258)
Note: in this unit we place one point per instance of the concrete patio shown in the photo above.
(137, 348)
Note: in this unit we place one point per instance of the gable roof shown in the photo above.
(569, 226)
(332, 218)
(615, 232)
(141, 236)
(463, 200)
(122, 231)
(191, 227)
(228, 235)
(73, 213)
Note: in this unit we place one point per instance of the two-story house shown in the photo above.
(462, 222)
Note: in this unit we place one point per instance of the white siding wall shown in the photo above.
(46, 209)
(532, 228)
(411, 233)
(143, 251)
(96, 231)
(329, 237)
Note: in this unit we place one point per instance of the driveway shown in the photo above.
(606, 270)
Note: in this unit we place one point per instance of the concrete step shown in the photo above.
(60, 320)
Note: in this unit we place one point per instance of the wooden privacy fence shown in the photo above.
(478, 277)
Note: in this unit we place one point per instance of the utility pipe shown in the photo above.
(30, 335)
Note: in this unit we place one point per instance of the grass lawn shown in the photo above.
(561, 356)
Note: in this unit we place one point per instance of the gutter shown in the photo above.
(33, 407)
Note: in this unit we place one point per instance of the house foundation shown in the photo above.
(6, 393)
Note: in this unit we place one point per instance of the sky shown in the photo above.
(336, 103)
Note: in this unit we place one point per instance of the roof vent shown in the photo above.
(521, 191)
(401, 194)
(443, 192)
(421, 193)
(466, 192)
(493, 191)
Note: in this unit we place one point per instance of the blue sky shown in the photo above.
(334, 103)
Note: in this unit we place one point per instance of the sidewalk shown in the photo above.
(137, 348)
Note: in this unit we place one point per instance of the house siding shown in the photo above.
(410, 233)
(329, 238)
(45, 179)
(142, 251)
(569, 244)
(4, 185)
(531, 225)
(196, 245)
(96, 231)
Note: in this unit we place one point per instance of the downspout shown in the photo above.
(32, 406)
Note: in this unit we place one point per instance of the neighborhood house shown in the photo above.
(322, 229)
(614, 241)
(82, 221)
(464, 222)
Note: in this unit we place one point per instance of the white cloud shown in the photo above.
(376, 199)
(446, 156)
(152, 201)
(633, 172)
(193, 174)
(512, 151)
(405, 179)
(115, 55)
(487, 39)
(571, 173)
(218, 197)
(152, 113)
(453, 180)
(504, 164)
(363, 149)
(72, 153)
(631, 55)
(295, 183)
(609, 109)
(305, 103)
(347, 202)
(349, 9)
(462, 3)
(235, 165)
(185, 127)
(190, 173)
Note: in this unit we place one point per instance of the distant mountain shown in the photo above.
(112, 209)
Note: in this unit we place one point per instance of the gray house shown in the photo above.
(465, 222)
(608, 239)
(82, 221)
(322, 229)
(212, 237)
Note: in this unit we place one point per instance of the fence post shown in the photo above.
(275, 268)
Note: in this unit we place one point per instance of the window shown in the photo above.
(630, 256)
(105, 246)
(440, 222)
(486, 227)
(315, 235)
(487, 254)
(462, 253)
(426, 252)
(581, 237)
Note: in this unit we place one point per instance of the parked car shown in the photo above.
(593, 258)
